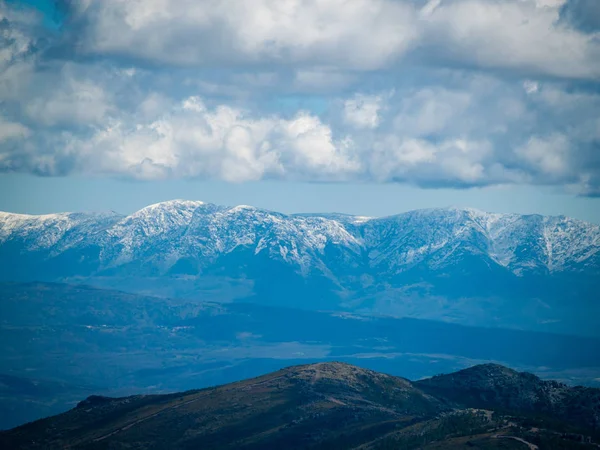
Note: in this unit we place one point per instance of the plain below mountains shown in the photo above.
(334, 406)
(458, 265)
(60, 343)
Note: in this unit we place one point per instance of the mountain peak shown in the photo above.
(495, 374)
(170, 207)
(333, 370)
(467, 209)
(497, 386)
(242, 208)
(173, 204)
(490, 368)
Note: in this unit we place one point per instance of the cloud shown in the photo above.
(74, 102)
(12, 130)
(17, 48)
(359, 34)
(524, 36)
(457, 162)
(362, 111)
(531, 87)
(437, 93)
(12, 135)
(192, 141)
(548, 156)
(584, 15)
(430, 111)
(535, 37)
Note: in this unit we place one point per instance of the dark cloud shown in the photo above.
(583, 15)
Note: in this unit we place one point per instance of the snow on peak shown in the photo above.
(467, 209)
(361, 219)
(194, 229)
(243, 208)
(174, 204)
(49, 230)
(173, 211)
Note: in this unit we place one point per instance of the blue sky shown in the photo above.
(31, 194)
(367, 107)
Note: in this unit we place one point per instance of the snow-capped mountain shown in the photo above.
(427, 263)
(517, 242)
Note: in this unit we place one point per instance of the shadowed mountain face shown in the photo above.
(325, 405)
(498, 387)
(457, 265)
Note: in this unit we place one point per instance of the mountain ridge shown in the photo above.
(182, 201)
(322, 405)
(395, 265)
(180, 212)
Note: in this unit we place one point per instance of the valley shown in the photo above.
(59, 343)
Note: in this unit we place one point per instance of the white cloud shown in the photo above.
(430, 111)
(12, 134)
(457, 161)
(531, 87)
(153, 106)
(511, 34)
(362, 111)
(514, 113)
(547, 155)
(12, 130)
(361, 34)
(523, 35)
(74, 102)
(429, 7)
(193, 140)
(549, 3)
(16, 45)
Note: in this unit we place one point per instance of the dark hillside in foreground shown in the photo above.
(500, 388)
(328, 406)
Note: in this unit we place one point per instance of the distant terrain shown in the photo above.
(334, 406)
(60, 343)
(457, 265)
(185, 295)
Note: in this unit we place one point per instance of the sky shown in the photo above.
(367, 107)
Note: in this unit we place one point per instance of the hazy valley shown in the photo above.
(60, 343)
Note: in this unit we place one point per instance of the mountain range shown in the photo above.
(458, 265)
(334, 406)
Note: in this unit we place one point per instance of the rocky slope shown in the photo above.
(325, 405)
(474, 267)
(501, 388)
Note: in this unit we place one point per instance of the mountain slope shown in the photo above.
(451, 264)
(325, 405)
(292, 408)
(498, 387)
